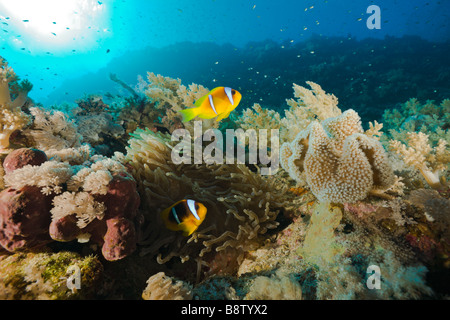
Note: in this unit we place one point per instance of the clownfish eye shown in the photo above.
(233, 92)
(197, 207)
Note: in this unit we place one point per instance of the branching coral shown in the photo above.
(430, 161)
(339, 162)
(13, 96)
(242, 205)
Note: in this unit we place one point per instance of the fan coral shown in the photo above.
(13, 96)
(162, 287)
(430, 161)
(242, 205)
(339, 163)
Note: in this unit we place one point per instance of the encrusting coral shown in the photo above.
(337, 160)
(44, 276)
(13, 96)
(275, 287)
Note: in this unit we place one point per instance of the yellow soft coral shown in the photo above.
(259, 118)
(171, 96)
(162, 287)
(339, 163)
(11, 116)
(314, 104)
(431, 162)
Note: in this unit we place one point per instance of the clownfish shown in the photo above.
(219, 102)
(185, 215)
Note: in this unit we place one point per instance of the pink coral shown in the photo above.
(116, 232)
(360, 209)
(22, 157)
(24, 218)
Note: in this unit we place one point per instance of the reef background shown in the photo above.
(368, 75)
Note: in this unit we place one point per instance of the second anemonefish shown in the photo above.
(185, 215)
(219, 102)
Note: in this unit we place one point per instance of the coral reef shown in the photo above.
(98, 200)
(432, 162)
(13, 96)
(311, 231)
(44, 276)
(428, 118)
(24, 217)
(162, 287)
(22, 157)
(275, 287)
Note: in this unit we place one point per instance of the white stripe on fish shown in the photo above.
(191, 205)
(229, 95)
(212, 103)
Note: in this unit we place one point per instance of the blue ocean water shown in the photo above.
(69, 48)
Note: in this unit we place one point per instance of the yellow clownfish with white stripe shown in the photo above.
(219, 102)
(185, 215)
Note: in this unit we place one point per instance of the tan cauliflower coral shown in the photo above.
(337, 160)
